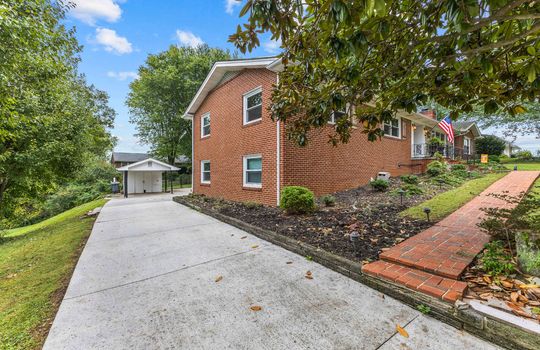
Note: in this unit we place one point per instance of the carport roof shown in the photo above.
(144, 165)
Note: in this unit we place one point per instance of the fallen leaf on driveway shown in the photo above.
(402, 331)
(243, 237)
(256, 308)
(219, 278)
(288, 262)
(254, 246)
(308, 273)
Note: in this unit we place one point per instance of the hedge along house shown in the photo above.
(240, 154)
(145, 176)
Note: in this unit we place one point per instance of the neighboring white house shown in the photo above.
(144, 176)
(510, 149)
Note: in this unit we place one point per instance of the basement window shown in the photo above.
(253, 171)
(253, 106)
(205, 171)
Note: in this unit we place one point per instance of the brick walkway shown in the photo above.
(433, 260)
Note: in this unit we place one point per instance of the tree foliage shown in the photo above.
(490, 144)
(51, 120)
(383, 56)
(158, 98)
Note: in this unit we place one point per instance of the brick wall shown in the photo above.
(459, 141)
(230, 140)
(324, 168)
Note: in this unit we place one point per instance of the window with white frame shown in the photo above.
(467, 145)
(393, 128)
(337, 115)
(253, 106)
(253, 171)
(205, 125)
(205, 171)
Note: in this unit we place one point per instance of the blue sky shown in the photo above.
(118, 35)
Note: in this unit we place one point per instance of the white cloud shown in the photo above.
(89, 11)
(112, 41)
(187, 38)
(272, 47)
(231, 4)
(123, 75)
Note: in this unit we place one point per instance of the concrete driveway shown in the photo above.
(146, 280)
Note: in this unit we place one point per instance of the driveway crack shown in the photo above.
(156, 276)
(394, 334)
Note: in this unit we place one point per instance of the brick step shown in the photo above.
(439, 287)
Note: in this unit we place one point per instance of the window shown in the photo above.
(441, 136)
(337, 115)
(205, 125)
(205, 171)
(393, 128)
(467, 145)
(253, 171)
(253, 106)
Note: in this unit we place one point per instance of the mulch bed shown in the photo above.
(374, 215)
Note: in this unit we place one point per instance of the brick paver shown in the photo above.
(434, 259)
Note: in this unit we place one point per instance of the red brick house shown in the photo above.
(240, 154)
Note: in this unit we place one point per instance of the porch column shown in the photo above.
(125, 184)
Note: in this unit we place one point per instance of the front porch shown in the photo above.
(430, 141)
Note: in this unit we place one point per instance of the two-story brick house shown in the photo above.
(239, 153)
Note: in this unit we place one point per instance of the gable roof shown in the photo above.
(143, 166)
(128, 157)
(464, 127)
(217, 73)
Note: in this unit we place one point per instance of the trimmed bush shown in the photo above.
(436, 168)
(297, 200)
(379, 185)
(410, 179)
(328, 200)
(448, 179)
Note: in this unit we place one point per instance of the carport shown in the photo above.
(144, 176)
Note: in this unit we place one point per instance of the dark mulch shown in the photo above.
(374, 215)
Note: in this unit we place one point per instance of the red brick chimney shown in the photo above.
(429, 113)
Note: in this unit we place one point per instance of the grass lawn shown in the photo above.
(36, 263)
(447, 202)
(523, 166)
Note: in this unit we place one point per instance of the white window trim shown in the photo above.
(468, 141)
(244, 105)
(244, 171)
(207, 114)
(202, 171)
(399, 129)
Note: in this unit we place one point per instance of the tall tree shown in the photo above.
(386, 55)
(158, 98)
(50, 119)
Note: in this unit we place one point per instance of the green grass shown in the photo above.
(523, 166)
(447, 202)
(36, 263)
(75, 212)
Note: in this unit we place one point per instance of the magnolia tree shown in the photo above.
(384, 56)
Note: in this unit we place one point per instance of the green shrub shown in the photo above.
(456, 167)
(495, 159)
(447, 179)
(68, 197)
(495, 260)
(460, 173)
(436, 168)
(410, 179)
(379, 185)
(412, 190)
(252, 205)
(328, 200)
(525, 155)
(297, 200)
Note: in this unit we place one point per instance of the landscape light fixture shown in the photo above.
(354, 240)
(469, 174)
(401, 192)
(427, 211)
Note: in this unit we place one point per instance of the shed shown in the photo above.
(144, 176)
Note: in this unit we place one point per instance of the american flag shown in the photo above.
(446, 125)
